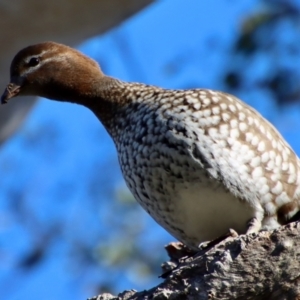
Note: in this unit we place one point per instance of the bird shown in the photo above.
(199, 161)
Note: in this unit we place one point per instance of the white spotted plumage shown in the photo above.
(207, 162)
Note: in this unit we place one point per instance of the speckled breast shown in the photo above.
(201, 162)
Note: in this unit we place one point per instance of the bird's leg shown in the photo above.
(253, 225)
(209, 244)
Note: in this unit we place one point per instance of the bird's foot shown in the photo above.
(209, 244)
(253, 226)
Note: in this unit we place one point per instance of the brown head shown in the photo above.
(54, 71)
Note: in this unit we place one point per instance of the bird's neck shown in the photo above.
(104, 95)
(114, 102)
(106, 99)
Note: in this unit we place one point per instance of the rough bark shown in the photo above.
(257, 266)
(24, 22)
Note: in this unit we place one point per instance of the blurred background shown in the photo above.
(69, 228)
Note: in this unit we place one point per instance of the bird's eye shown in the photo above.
(34, 61)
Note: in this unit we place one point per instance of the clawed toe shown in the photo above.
(209, 244)
(253, 226)
(204, 245)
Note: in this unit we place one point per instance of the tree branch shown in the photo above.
(256, 266)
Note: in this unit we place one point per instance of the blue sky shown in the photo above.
(63, 147)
